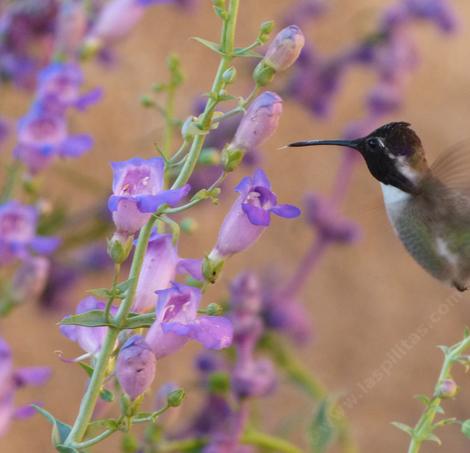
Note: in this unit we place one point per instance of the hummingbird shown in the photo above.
(428, 206)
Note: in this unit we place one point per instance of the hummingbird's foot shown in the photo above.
(459, 286)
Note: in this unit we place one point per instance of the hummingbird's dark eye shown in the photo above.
(374, 143)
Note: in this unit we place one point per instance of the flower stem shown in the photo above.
(424, 426)
(227, 46)
(266, 441)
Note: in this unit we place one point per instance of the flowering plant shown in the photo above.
(157, 301)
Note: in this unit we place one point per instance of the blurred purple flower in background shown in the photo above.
(12, 380)
(177, 321)
(249, 215)
(138, 192)
(18, 238)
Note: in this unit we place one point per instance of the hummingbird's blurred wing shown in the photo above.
(452, 168)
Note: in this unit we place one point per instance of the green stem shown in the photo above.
(92, 392)
(424, 426)
(273, 443)
(94, 440)
(228, 39)
(169, 121)
(12, 171)
(182, 445)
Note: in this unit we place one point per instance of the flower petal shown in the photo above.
(257, 216)
(45, 245)
(89, 98)
(286, 210)
(31, 376)
(76, 145)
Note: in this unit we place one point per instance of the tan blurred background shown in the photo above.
(364, 299)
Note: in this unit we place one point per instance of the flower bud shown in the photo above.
(135, 367)
(265, 30)
(447, 389)
(119, 247)
(281, 54)
(259, 122)
(229, 75)
(231, 158)
(175, 398)
(285, 49)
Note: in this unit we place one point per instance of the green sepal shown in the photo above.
(88, 369)
(405, 428)
(211, 269)
(175, 398)
(106, 395)
(209, 44)
(231, 158)
(60, 430)
(321, 430)
(466, 428)
(93, 318)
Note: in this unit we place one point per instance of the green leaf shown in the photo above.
(121, 289)
(60, 430)
(433, 438)
(466, 428)
(101, 293)
(209, 44)
(424, 399)
(135, 321)
(401, 426)
(440, 410)
(64, 449)
(321, 430)
(92, 318)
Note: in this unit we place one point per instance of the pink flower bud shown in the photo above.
(285, 49)
(135, 367)
(259, 122)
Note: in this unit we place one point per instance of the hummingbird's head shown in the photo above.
(393, 153)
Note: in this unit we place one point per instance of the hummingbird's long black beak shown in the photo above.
(347, 143)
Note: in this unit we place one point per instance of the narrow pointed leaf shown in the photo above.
(92, 318)
(209, 44)
(433, 438)
(401, 426)
(135, 321)
(321, 431)
(466, 428)
(60, 430)
(424, 399)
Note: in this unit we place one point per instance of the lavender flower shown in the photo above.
(135, 366)
(10, 381)
(138, 192)
(159, 269)
(59, 87)
(116, 20)
(249, 216)
(438, 11)
(177, 321)
(254, 378)
(90, 339)
(18, 237)
(259, 122)
(30, 279)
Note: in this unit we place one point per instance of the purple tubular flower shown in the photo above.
(135, 366)
(177, 322)
(159, 269)
(285, 49)
(329, 224)
(41, 129)
(18, 233)
(138, 192)
(71, 25)
(90, 339)
(259, 122)
(10, 381)
(249, 215)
